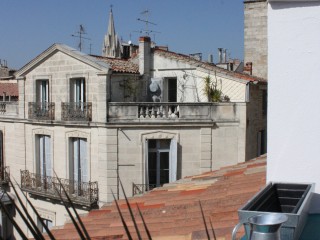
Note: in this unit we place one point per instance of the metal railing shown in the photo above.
(76, 111)
(41, 110)
(158, 110)
(142, 188)
(82, 193)
(4, 175)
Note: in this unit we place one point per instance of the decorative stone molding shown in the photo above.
(159, 135)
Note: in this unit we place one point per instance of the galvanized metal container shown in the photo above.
(292, 199)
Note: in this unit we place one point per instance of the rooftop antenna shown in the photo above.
(79, 35)
(146, 21)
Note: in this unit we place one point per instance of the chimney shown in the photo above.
(220, 54)
(224, 55)
(144, 55)
(248, 68)
(210, 58)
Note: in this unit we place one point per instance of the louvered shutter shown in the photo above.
(75, 158)
(48, 162)
(173, 160)
(84, 160)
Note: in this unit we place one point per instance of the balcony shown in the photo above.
(4, 175)
(175, 112)
(76, 111)
(41, 110)
(9, 109)
(81, 193)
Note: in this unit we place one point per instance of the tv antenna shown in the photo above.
(147, 22)
(79, 35)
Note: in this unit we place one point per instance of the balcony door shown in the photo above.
(78, 164)
(42, 93)
(77, 90)
(43, 161)
(161, 164)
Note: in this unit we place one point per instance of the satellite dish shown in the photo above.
(129, 42)
(153, 86)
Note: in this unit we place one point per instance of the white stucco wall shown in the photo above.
(294, 83)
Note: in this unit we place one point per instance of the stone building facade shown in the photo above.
(255, 36)
(146, 120)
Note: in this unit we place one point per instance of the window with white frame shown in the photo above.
(43, 158)
(47, 222)
(161, 161)
(78, 163)
(42, 91)
(77, 90)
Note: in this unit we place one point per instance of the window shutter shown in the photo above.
(47, 91)
(173, 160)
(38, 91)
(41, 157)
(48, 162)
(72, 90)
(1, 150)
(75, 158)
(146, 154)
(37, 154)
(83, 160)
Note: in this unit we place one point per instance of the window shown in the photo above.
(172, 90)
(42, 92)
(161, 161)
(77, 90)
(264, 102)
(78, 163)
(262, 142)
(43, 156)
(47, 222)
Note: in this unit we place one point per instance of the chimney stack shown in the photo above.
(224, 55)
(210, 58)
(144, 55)
(220, 54)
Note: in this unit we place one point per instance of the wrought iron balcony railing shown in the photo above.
(142, 188)
(41, 110)
(4, 175)
(76, 111)
(81, 193)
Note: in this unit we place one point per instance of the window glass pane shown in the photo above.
(164, 143)
(164, 167)
(152, 160)
(152, 143)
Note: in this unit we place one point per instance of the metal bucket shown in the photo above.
(263, 227)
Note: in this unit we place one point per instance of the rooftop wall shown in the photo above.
(293, 117)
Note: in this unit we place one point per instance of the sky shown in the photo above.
(28, 27)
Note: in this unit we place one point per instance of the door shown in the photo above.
(42, 94)
(44, 164)
(78, 164)
(161, 162)
(77, 92)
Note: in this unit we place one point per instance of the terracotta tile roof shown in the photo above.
(11, 89)
(173, 212)
(120, 65)
(207, 66)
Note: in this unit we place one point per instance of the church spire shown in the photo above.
(111, 44)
